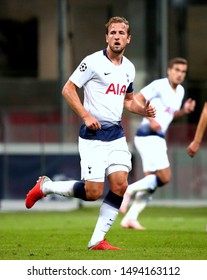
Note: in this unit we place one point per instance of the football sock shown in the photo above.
(63, 188)
(141, 200)
(149, 182)
(108, 214)
(79, 190)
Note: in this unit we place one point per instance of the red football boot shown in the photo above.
(35, 193)
(104, 245)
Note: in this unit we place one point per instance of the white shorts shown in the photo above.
(153, 152)
(99, 159)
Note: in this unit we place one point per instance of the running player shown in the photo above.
(107, 79)
(167, 95)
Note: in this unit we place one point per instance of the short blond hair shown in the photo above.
(117, 20)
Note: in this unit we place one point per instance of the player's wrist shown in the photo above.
(197, 142)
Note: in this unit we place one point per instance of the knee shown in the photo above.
(120, 188)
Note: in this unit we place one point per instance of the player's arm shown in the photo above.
(153, 123)
(188, 107)
(194, 146)
(134, 105)
(70, 94)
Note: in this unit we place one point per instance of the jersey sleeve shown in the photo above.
(131, 77)
(130, 88)
(82, 74)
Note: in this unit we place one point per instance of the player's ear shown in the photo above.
(129, 39)
(106, 38)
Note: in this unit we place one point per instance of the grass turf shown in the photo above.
(172, 233)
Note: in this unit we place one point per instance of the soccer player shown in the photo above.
(166, 95)
(107, 79)
(194, 146)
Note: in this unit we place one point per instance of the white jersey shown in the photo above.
(165, 100)
(105, 85)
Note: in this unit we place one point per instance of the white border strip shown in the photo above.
(45, 148)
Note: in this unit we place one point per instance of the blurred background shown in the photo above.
(42, 42)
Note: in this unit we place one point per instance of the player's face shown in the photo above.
(117, 37)
(177, 73)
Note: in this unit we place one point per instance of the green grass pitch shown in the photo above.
(172, 233)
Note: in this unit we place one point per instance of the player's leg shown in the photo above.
(153, 153)
(130, 220)
(109, 210)
(90, 189)
(148, 184)
(45, 186)
(144, 147)
(119, 160)
(141, 200)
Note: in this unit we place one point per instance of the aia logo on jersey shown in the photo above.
(169, 111)
(116, 89)
(83, 67)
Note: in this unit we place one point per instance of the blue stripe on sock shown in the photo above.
(113, 199)
(159, 182)
(79, 190)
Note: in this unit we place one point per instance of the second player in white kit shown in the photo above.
(166, 95)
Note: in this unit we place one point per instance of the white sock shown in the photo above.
(63, 188)
(106, 218)
(148, 182)
(140, 202)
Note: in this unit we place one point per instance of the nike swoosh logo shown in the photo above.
(107, 73)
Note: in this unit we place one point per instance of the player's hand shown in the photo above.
(150, 110)
(193, 148)
(92, 123)
(189, 105)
